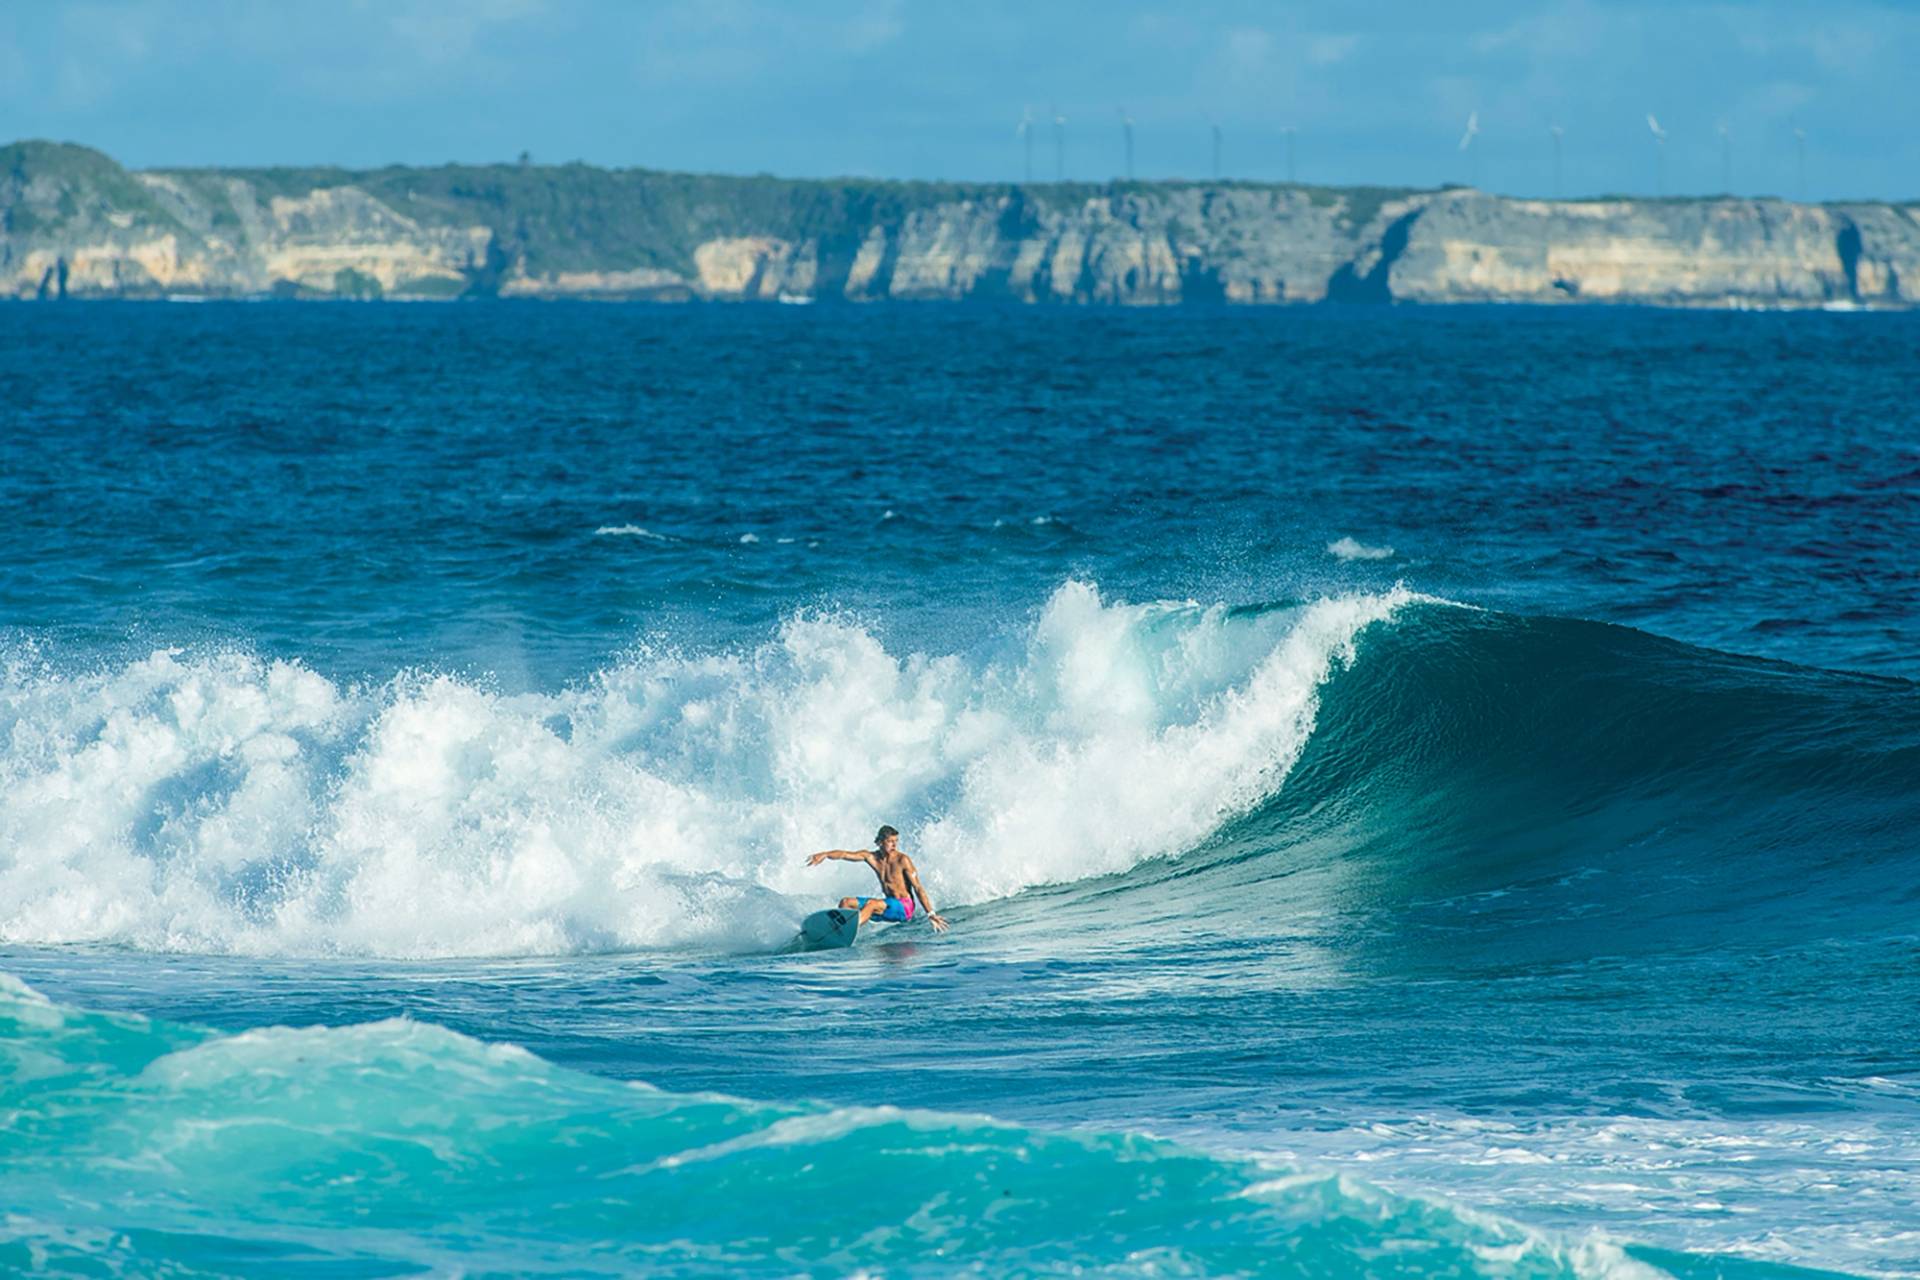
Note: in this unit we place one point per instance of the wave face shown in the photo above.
(150, 1147)
(1532, 789)
(220, 802)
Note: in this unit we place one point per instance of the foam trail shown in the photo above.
(220, 802)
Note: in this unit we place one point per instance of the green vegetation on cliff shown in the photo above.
(47, 186)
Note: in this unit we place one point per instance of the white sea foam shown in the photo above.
(1840, 1181)
(1352, 549)
(629, 531)
(221, 802)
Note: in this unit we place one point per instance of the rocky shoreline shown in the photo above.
(75, 224)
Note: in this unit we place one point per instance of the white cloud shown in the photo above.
(875, 26)
(1776, 100)
(1330, 49)
(78, 85)
(704, 43)
(95, 46)
(438, 32)
(119, 33)
(1573, 28)
(1454, 96)
(1248, 50)
(16, 73)
(1844, 50)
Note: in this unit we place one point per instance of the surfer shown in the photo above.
(897, 876)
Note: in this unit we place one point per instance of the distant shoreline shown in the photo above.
(74, 224)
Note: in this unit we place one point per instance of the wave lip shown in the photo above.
(218, 802)
(152, 1146)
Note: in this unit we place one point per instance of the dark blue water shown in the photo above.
(1451, 774)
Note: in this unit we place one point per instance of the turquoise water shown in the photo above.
(1419, 792)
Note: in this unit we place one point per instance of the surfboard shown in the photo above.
(834, 927)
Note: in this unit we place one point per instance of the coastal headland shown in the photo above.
(76, 224)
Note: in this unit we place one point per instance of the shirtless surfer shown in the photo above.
(897, 875)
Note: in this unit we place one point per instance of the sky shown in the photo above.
(1782, 97)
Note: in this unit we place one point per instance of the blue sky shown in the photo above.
(1377, 91)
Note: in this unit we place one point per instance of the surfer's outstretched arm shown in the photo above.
(841, 855)
(934, 918)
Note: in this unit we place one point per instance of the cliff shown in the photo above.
(73, 223)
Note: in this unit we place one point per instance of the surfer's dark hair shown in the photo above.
(883, 833)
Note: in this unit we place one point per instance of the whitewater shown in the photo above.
(223, 802)
(1413, 793)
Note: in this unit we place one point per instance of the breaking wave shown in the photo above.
(1534, 787)
(223, 802)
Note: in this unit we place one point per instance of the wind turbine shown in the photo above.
(1289, 132)
(1726, 158)
(1557, 133)
(1126, 127)
(1659, 155)
(1059, 146)
(1214, 125)
(1025, 134)
(1466, 144)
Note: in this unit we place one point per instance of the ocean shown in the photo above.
(1415, 791)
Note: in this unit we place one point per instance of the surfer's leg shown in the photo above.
(871, 908)
(849, 904)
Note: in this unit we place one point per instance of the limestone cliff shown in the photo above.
(75, 224)
(1727, 252)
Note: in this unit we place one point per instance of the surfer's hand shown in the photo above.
(816, 859)
(938, 921)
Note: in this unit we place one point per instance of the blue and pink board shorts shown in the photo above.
(897, 908)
